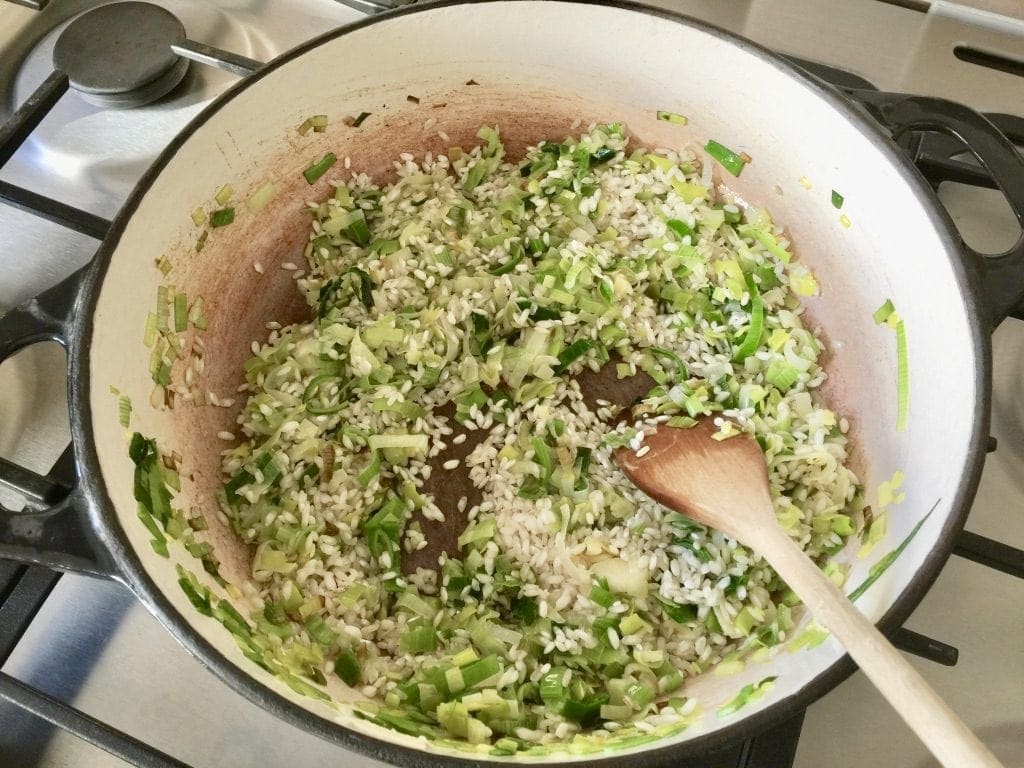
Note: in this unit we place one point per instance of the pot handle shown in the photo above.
(1001, 275)
(53, 527)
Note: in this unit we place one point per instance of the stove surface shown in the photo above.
(90, 156)
(94, 646)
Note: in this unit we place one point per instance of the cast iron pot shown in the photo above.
(537, 70)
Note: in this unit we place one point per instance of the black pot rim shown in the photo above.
(131, 571)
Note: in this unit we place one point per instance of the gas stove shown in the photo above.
(90, 679)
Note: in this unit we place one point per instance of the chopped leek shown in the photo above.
(419, 639)
(767, 239)
(616, 712)
(749, 693)
(671, 117)
(384, 247)
(681, 422)
(632, 624)
(477, 673)
(670, 681)
(731, 161)
(222, 217)
(383, 528)
(781, 375)
(601, 594)
(902, 378)
(449, 308)
(552, 687)
(572, 353)
(149, 335)
(319, 631)
(680, 228)
(516, 255)
(875, 572)
(526, 610)
(370, 471)
(224, 195)
(474, 176)
(478, 533)
(672, 357)
(347, 667)
(586, 711)
(352, 595)
(542, 455)
(262, 197)
(581, 465)
(180, 312)
(196, 593)
(124, 411)
(812, 636)
(358, 232)
(681, 614)
(803, 282)
(884, 312)
(319, 168)
(639, 695)
(756, 328)
(414, 444)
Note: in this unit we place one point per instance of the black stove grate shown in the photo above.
(23, 589)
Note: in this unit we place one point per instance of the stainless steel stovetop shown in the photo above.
(92, 645)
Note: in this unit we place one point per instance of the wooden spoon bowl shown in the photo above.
(723, 483)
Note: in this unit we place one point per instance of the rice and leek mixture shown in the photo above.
(574, 602)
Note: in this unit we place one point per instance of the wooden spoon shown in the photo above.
(724, 484)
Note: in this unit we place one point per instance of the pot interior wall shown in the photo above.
(512, 65)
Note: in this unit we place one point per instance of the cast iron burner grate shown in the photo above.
(123, 60)
(122, 55)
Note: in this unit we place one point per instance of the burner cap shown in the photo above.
(120, 54)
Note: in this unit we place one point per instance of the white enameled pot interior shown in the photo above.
(535, 81)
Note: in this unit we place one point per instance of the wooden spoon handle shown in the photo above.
(949, 740)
